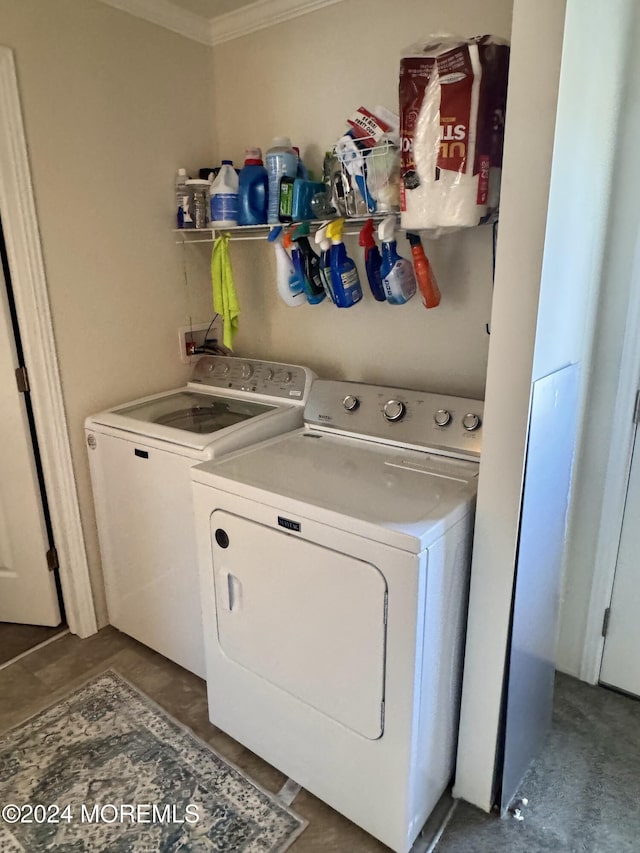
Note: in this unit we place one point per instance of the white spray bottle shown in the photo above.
(289, 288)
(398, 277)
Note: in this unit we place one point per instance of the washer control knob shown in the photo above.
(394, 410)
(351, 403)
(442, 417)
(246, 370)
(221, 370)
(269, 375)
(470, 422)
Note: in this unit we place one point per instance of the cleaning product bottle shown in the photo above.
(424, 273)
(324, 243)
(345, 280)
(182, 195)
(307, 264)
(398, 278)
(372, 260)
(224, 196)
(289, 288)
(281, 161)
(253, 188)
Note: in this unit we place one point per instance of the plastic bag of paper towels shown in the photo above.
(453, 95)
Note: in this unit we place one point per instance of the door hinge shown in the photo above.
(52, 559)
(636, 409)
(22, 379)
(605, 621)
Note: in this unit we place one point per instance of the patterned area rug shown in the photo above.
(107, 770)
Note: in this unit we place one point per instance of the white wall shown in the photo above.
(112, 106)
(303, 78)
(606, 183)
(536, 43)
(543, 326)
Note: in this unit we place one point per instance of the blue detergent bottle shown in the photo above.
(345, 281)
(398, 277)
(253, 190)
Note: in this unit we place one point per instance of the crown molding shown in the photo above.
(169, 16)
(212, 31)
(259, 15)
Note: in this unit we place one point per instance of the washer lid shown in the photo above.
(405, 498)
(184, 417)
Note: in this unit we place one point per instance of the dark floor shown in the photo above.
(583, 789)
(16, 639)
(41, 678)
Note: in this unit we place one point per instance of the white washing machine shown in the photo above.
(334, 564)
(140, 455)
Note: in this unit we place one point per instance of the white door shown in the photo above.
(27, 587)
(307, 618)
(621, 659)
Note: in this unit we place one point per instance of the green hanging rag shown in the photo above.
(225, 298)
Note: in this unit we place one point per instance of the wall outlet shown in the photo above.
(193, 335)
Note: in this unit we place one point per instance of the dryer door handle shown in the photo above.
(233, 588)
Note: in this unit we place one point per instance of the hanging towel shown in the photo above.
(225, 298)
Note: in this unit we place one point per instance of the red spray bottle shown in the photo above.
(424, 273)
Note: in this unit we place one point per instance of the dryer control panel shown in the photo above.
(418, 419)
(288, 381)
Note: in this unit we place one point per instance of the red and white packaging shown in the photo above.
(452, 99)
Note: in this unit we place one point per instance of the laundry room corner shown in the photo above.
(104, 128)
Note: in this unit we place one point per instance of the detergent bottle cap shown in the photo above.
(334, 230)
(286, 239)
(387, 229)
(414, 239)
(366, 238)
(281, 142)
(227, 162)
(253, 156)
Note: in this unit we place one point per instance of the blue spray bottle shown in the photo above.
(372, 260)
(324, 244)
(345, 280)
(398, 277)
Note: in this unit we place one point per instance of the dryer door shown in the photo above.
(310, 620)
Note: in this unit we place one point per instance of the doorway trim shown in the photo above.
(622, 436)
(22, 238)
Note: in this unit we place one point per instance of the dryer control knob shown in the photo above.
(394, 410)
(470, 422)
(351, 403)
(246, 370)
(269, 375)
(287, 377)
(221, 369)
(442, 417)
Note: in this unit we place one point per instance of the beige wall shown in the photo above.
(303, 78)
(112, 106)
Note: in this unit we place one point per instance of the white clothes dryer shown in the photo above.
(334, 565)
(140, 454)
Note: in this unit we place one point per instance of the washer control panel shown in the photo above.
(419, 419)
(289, 381)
